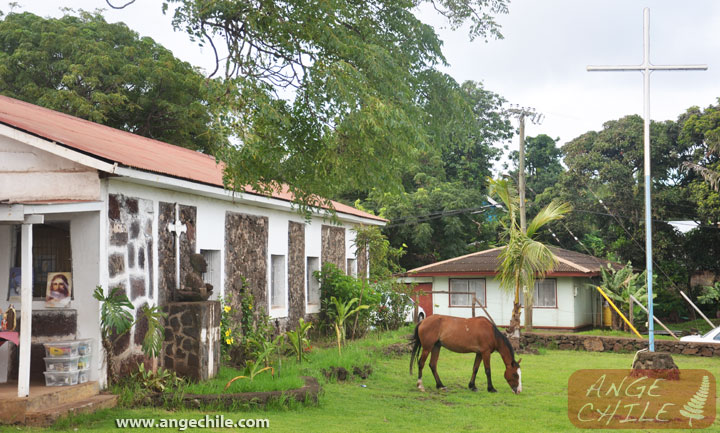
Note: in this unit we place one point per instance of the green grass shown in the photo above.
(285, 378)
(390, 402)
(700, 324)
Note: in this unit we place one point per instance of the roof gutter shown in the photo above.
(153, 179)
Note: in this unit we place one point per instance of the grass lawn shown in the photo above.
(389, 401)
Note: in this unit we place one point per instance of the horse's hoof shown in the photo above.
(492, 390)
(473, 389)
(443, 388)
(421, 388)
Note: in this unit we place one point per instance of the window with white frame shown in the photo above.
(313, 285)
(277, 281)
(463, 289)
(545, 293)
(352, 267)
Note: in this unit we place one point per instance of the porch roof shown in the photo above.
(487, 262)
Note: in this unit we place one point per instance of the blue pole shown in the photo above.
(646, 138)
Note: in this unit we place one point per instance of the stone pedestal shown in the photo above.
(192, 339)
(655, 364)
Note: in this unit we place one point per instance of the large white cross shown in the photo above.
(177, 228)
(646, 68)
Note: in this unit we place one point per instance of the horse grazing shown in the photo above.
(477, 335)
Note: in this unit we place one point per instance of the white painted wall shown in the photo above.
(499, 303)
(27, 173)
(583, 302)
(211, 227)
(313, 248)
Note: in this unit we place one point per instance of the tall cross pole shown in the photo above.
(646, 68)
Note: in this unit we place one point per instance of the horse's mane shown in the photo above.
(503, 337)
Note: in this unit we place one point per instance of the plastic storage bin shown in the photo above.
(83, 362)
(61, 348)
(84, 347)
(65, 363)
(61, 378)
(83, 376)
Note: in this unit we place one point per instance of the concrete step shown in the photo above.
(47, 416)
(54, 396)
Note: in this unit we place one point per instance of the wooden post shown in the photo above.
(473, 305)
(415, 308)
(712, 325)
(655, 318)
(483, 308)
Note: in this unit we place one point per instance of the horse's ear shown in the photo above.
(519, 361)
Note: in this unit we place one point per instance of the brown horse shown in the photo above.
(477, 335)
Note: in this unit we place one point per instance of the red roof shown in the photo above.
(569, 263)
(127, 149)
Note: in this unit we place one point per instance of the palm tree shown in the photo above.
(523, 259)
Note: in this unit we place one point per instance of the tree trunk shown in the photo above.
(514, 328)
(630, 315)
(529, 302)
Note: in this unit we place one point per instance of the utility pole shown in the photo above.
(521, 113)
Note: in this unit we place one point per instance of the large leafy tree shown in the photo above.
(86, 67)
(524, 258)
(330, 96)
(442, 211)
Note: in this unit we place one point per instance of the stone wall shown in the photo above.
(166, 253)
(246, 255)
(594, 343)
(296, 273)
(166, 248)
(130, 257)
(192, 339)
(333, 246)
(362, 262)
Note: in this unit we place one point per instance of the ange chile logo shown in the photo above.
(615, 399)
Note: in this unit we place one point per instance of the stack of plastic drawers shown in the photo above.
(67, 362)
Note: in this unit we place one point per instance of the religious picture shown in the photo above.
(14, 285)
(59, 289)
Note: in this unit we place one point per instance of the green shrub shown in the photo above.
(335, 284)
(393, 307)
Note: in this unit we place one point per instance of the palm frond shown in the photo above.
(552, 212)
(711, 176)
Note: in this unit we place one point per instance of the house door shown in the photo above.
(426, 300)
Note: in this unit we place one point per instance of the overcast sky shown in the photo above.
(542, 59)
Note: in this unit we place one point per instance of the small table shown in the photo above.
(9, 336)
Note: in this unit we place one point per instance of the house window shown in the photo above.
(462, 291)
(352, 267)
(277, 282)
(50, 251)
(313, 285)
(545, 294)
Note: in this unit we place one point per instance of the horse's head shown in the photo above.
(514, 376)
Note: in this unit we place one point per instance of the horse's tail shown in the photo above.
(416, 346)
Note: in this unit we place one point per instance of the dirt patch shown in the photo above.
(341, 374)
(397, 349)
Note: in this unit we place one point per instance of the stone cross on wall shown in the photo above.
(177, 228)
